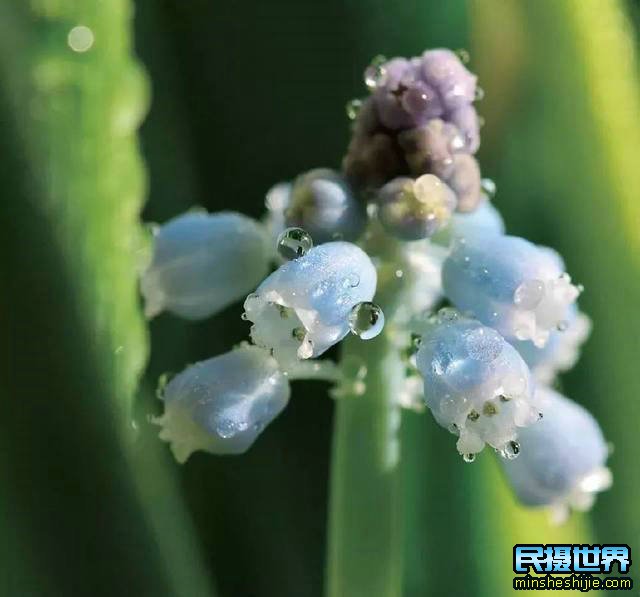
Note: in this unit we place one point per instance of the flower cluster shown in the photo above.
(484, 321)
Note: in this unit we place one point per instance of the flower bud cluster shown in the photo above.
(407, 216)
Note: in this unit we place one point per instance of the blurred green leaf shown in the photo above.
(97, 505)
(566, 100)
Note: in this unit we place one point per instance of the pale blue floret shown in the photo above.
(561, 351)
(510, 284)
(475, 383)
(222, 404)
(204, 262)
(562, 459)
(303, 308)
(484, 221)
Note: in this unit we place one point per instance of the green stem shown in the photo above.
(366, 520)
(365, 525)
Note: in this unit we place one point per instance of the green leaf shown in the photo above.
(565, 100)
(79, 472)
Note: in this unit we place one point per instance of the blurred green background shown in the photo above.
(242, 95)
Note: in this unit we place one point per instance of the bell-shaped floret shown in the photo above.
(562, 350)
(222, 404)
(203, 262)
(475, 383)
(482, 222)
(323, 204)
(562, 458)
(510, 284)
(415, 209)
(303, 308)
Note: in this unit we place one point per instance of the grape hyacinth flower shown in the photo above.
(408, 223)
(563, 458)
(222, 404)
(511, 284)
(475, 383)
(303, 308)
(202, 263)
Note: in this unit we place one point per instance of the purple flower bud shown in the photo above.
(372, 160)
(465, 182)
(465, 119)
(430, 148)
(443, 70)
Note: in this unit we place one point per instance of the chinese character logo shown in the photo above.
(579, 559)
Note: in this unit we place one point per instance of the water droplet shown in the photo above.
(473, 415)
(244, 316)
(352, 108)
(399, 273)
(80, 38)
(468, 457)
(540, 416)
(453, 428)
(562, 326)
(299, 333)
(479, 94)
(366, 320)
(489, 187)
(464, 55)
(375, 74)
(294, 243)
(510, 450)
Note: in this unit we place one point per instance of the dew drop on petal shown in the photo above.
(510, 450)
(469, 457)
(489, 187)
(479, 94)
(294, 243)
(375, 74)
(464, 55)
(366, 320)
(353, 108)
